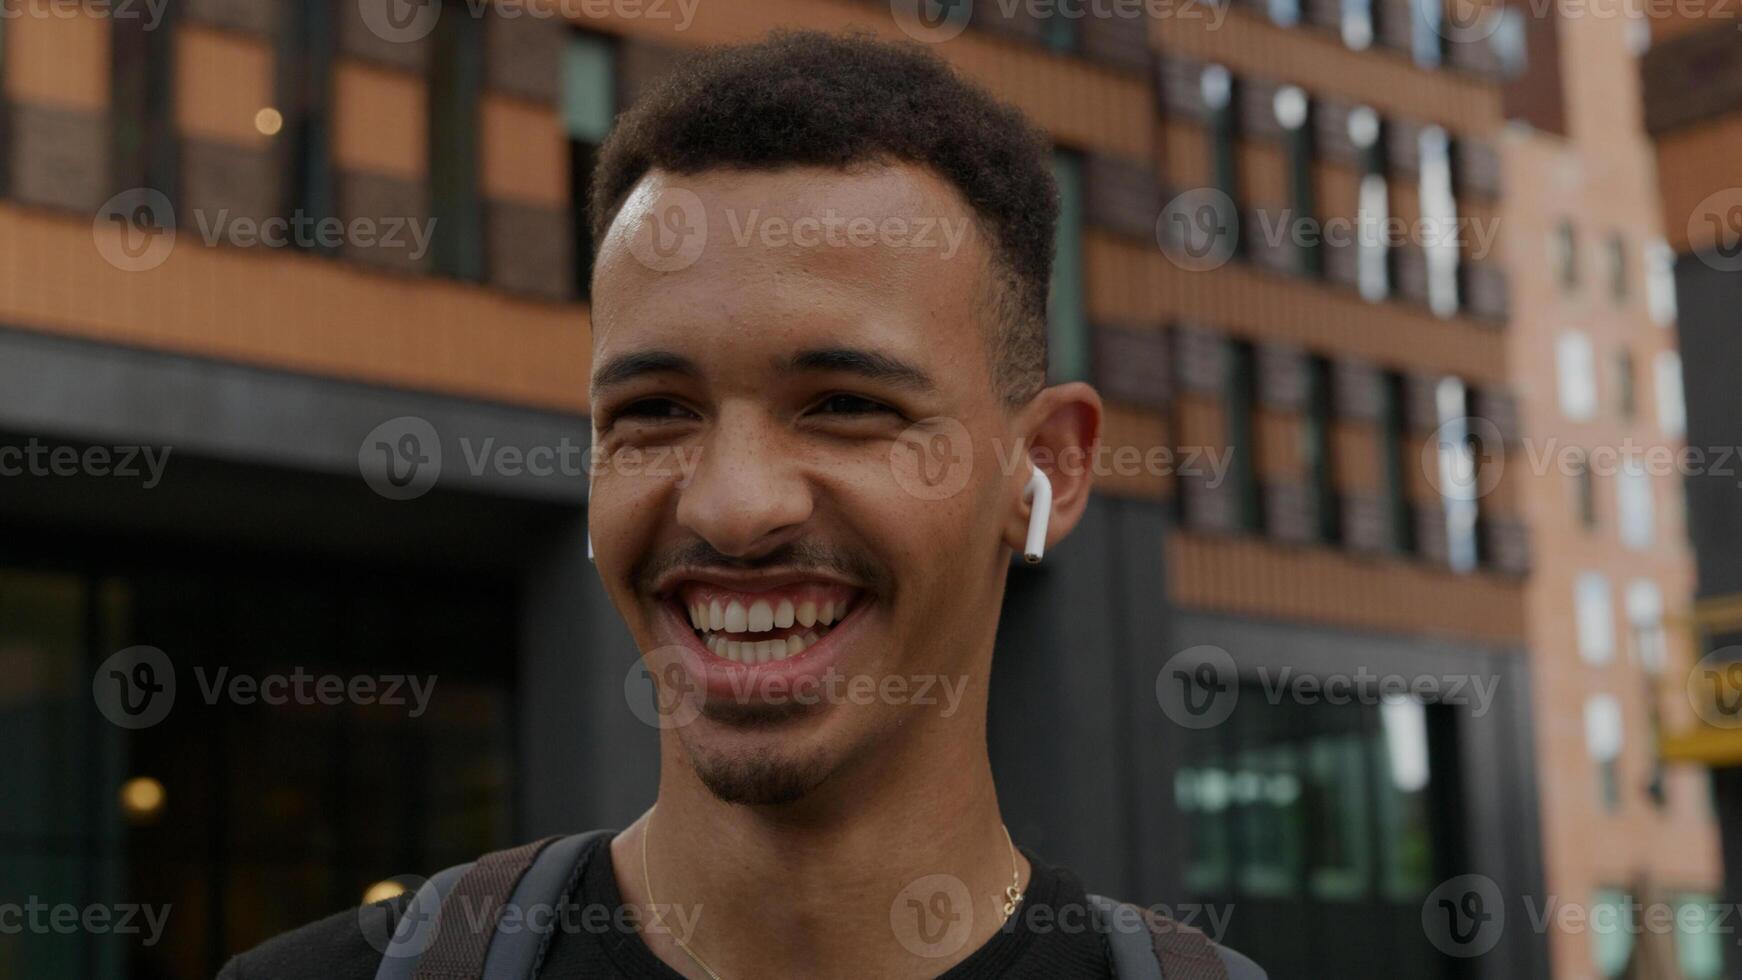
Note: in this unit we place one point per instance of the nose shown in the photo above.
(748, 496)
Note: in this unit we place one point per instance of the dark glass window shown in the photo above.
(1239, 414)
(1584, 490)
(1218, 91)
(306, 45)
(1626, 389)
(1294, 114)
(144, 149)
(456, 77)
(1617, 254)
(1067, 314)
(1319, 423)
(589, 104)
(1393, 451)
(248, 814)
(1311, 817)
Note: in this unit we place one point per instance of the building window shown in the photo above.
(1318, 806)
(1292, 112)
(1316, 447)
(1584, 489)
(1373, 257)
(1510, 42)
(1603, 741)
(1616, 252)
(1067, 343)
(1612, 930)
(1242, 437)
(1356, 24)
(144, 145)
(1660, 282)
(1460, 479)
(456, 76)
(1699, 937)
(306, 44)
(1594, 618)
(1427, 33)
(1394, 418)
(1626, 393)
(1563, 255)
(1645, 622)
(1633, 502)
(1575, 369)
(1061, 31)
(1672, 413)
(589, 104)
(1217, 89)
(1439, 215)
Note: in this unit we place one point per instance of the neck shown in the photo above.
(816, 888)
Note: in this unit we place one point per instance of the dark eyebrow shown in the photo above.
(626, 367)
(870, 364)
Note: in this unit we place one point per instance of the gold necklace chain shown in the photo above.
(1012, 894)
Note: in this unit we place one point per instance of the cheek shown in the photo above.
(623, 516)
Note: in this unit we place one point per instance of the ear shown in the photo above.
(1061, 431)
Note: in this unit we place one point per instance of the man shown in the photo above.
(822, 275)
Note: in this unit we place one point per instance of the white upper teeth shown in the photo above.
(762, 615)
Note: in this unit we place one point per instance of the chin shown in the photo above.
(761, 781)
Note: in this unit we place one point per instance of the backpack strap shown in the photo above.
(1148, 946)
(492, 918)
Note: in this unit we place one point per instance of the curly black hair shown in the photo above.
(804, 98)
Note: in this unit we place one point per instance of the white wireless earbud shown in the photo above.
(589, 546)
(1039, 494)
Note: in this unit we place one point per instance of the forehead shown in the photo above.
(889, 254)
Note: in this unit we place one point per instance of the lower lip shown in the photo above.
(724, 679)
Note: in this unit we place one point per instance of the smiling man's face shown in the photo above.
(812, 556)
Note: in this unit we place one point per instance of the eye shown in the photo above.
(845, 404)
(652, 410)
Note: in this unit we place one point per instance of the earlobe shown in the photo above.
(1039, 495)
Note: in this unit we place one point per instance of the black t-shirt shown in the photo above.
(1045, 940)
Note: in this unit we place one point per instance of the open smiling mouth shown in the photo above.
(765, 627)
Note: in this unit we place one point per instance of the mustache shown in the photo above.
(800, 556)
